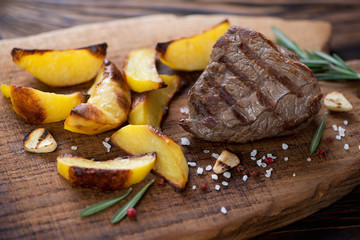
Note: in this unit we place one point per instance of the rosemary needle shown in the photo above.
(325, 66)
(318, 134)
(119, 215)
(97, 207)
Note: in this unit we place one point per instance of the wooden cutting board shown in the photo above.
(36, 202)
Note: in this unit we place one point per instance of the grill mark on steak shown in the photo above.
(282, 79)
(227, 98)
(263, 99)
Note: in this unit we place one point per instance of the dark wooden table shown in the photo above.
(19, 18)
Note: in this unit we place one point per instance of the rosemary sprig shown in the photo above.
(325, 66)
(131, 203)
(318, 134)
(97, 207)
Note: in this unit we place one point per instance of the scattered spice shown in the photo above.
(161, 182)
(223, 210)
(225, 183)
(329, 139)
(322, 153)
(269, 160)
(185, 141)
(203, 186)
(227, 174)
(214, 177)
(317, 136)
(254, 173)
(240, 168)
(131, 212)
(245, 172)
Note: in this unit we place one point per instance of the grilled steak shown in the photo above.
(251, 89)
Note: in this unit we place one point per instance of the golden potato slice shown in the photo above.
(37, 107)
(59, 68)
(170, 164)
(149, 108)
(107, 107)
(336, 101)
(39, 141)
(99, 76)
(226, 161)
(140, 71)
(193, 53)
(115, 174)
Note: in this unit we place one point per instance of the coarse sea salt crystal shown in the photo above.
(192, 164)
(208, 168)
(215, 155)
(217, 187)
(268, 172)
(346, 146)
(225, 183)
(294, 174)
(193, 187)
(308, 159)
(359, 147)
(107, 146)
(286, 159)
(335, 127)
(227, 174)
(107, 139)
(338, 137)
(346, 122)
(244, 178)
(200, 170)
(74, 148)
(253, 158)
(285, 146)
(264, 165)
(185, 141)
(184, 110)
(258, 162)
(223, 210)
(253, 153)
(206, 151)
(269, 155)
(214, 177)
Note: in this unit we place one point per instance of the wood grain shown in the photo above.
(38, 203)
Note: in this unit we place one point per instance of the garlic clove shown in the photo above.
(336, 101)
(225, 162)
(39, 141)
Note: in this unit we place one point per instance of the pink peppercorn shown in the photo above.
(131, 212)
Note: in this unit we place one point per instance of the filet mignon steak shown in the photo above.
(251, 89)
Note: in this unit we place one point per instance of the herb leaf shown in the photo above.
(119, 215)
(318, 134)
(325, 66)
(97, 207)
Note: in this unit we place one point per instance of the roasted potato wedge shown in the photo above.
(193, 53)
(149, 108)
(39, 140)
(99, 76)
(37, 107)
(60, 68)
(115, 174)
(226, 161)
(170, 164)
(107, 107)
(336, 101)
(140, 71)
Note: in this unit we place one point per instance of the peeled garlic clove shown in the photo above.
(225, 162)
(337, 102)
(39, 141)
